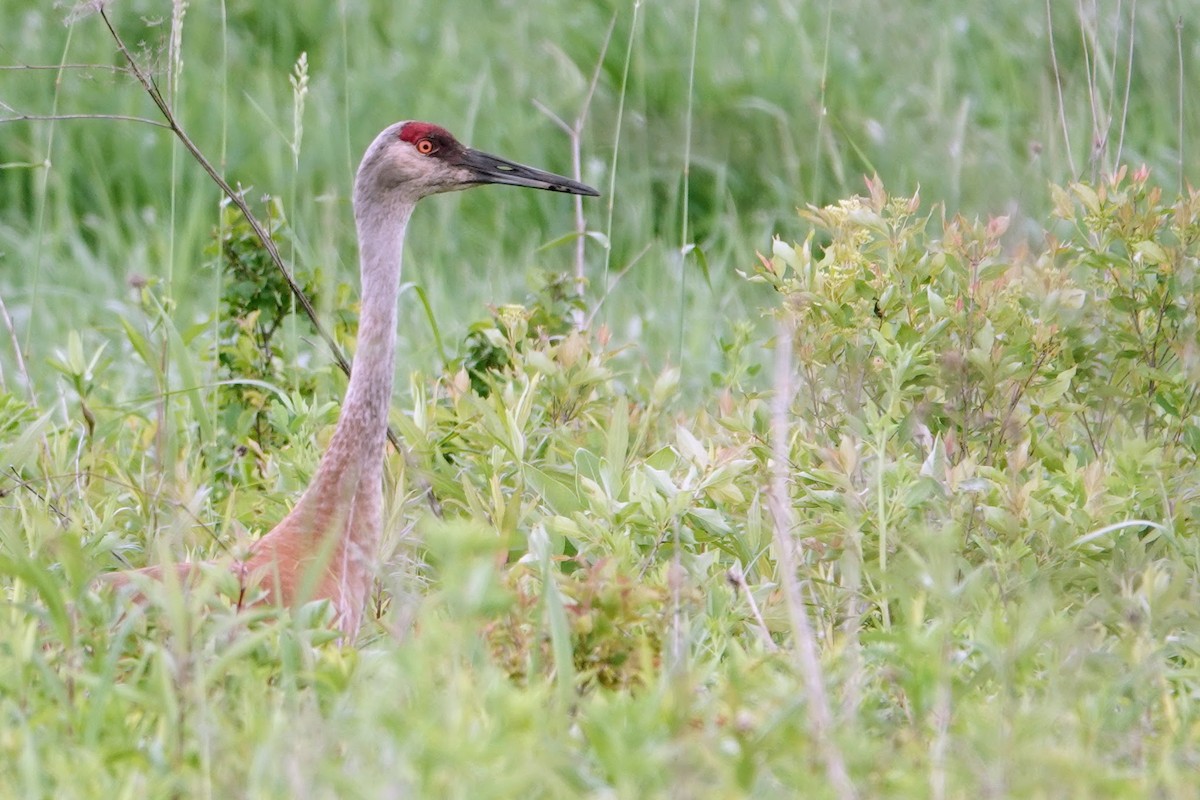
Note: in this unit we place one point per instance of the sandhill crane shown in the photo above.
(326, 546)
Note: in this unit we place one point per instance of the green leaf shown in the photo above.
(1151, 252)
(1087, 195)
(701, 261)
(1056, 388)
(616, 444)
(556, 620)
(937, 306)
(21, 452)
(559, 491)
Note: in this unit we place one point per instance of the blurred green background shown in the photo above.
(790, 103)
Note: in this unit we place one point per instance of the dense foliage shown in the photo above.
(992, 461)
(982, 413)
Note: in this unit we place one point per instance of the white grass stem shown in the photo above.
(1062, 109)
(881, 521)
(1128, 81)
(1182, 84)
(1116, 526)
(822, 112)
(574, 132)
(1088, 43)
(940, 713)
(685, 210)
(17, 354)
(804, 649)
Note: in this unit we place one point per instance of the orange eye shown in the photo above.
(425, 147)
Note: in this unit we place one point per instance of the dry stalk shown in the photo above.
(804, 650)
(574, 132)
(738, 581)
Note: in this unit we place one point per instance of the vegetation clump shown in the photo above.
(910, 498)
(991, 455)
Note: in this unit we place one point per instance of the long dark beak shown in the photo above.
(493, 169)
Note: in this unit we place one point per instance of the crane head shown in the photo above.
(415, 159)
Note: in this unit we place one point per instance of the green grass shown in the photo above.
(992, 450)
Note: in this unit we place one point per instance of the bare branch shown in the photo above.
(15, 476)
(738, 581)
(65, 67)
(575, 132)
(61, 117)
(234, 197)
(555, 118)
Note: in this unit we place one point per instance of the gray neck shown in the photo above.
(355, 453)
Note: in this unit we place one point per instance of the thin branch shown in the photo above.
(676, 576)
(738, 581)
(940, 716)
(1112, 73)
(234, 197)
(555, 118)
(238, 200)
(816, 189)
(142, 494)
(16, 478)
(61, 67)
(58, 117)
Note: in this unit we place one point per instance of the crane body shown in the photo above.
(326, 547)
